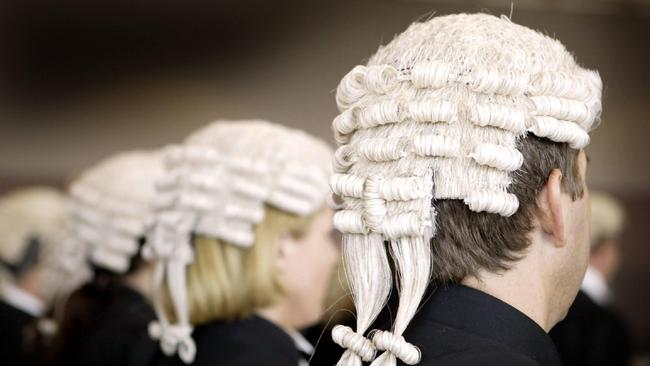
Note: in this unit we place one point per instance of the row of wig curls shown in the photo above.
(555, 98)
(384, 79)
(188, 201)
(115, 223)
(412, 195)
(560, 107)
(374, 193)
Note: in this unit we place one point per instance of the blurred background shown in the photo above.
(82, 79)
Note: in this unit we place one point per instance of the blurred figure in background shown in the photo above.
(243, 245)
(31, 222)
(105, 322)
(592, 332)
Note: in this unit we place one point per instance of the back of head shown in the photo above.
(112, 209)
(227, 194)
(31, 234)
(447, 136)
(111, 212)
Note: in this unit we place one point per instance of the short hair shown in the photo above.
(446, 136)
(467, 241)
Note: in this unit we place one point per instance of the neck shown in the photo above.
(278, 315)
(140, 281)
(29, 282)
(521, 287)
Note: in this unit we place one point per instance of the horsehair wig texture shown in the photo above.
(40, 213)
(444, 105)
(112, 207)
(217, 184)
(27, 212)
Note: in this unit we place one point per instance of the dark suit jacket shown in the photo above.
(591, 335)
(252, 341)
(459, 325)
(14, 326)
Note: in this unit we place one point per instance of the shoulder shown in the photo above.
(11, 314)
(445, 345)
(243, 332)
(127, 311)
(248, 342)
(583, 309)
(482, 357)
(586, 319)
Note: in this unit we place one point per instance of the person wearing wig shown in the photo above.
(462, 174)
(105, 321)
(32, 272)
(242, 245)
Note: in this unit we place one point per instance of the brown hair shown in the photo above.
(468, 241)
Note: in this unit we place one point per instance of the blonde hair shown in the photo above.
(229, 282)
(219, 184)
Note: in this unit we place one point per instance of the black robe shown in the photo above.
(591, 335)
(459, 325)
(248, 342)
(115, 332)
(15, 326)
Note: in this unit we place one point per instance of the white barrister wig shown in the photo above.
(32, 222)
(607, 217)
(437, 114)
(113, 207)
(217, 184)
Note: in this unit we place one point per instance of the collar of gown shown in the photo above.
(22, 300)
(478, 313)
(596, 287)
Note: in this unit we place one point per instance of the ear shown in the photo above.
(551, 209)
(285, 249)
